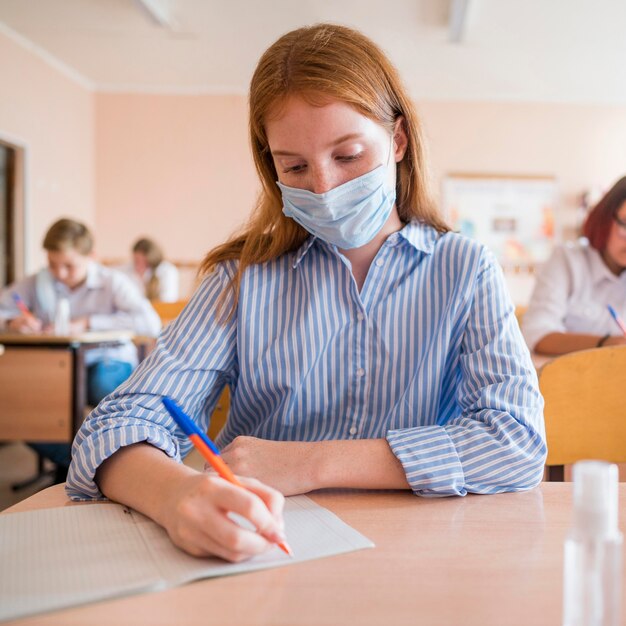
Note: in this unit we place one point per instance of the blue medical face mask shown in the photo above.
(348, 216)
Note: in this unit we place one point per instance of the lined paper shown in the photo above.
(55, 558)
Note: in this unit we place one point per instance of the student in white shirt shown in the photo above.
(568, 309)
(157, 278)
(99, 298)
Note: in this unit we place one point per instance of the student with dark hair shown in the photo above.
(568, 310)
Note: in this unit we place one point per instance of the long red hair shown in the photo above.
(317, 63)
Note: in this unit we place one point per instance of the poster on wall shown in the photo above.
(513, 216)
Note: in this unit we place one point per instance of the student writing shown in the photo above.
(365, 345)
(99, 299)
(568, 310)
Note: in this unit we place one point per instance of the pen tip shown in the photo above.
(284, 546)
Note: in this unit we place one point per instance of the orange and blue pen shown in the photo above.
(21, 305)
(208, 450)
(617, 319)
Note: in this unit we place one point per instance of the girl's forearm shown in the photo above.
(141, 476)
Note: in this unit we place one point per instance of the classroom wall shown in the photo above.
(178, 168)
(173, 167)
(583, 146)
(52, 116)
(186, 160)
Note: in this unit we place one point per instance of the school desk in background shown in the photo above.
(43, 388)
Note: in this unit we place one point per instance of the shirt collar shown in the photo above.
(302, 250)
(419, 235)
(94, 277)
(599, 270)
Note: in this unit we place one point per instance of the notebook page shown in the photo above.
(55, 558)
(312, 532)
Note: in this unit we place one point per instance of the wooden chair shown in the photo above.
(519, 313)
(218, 419)
(585, 408)
(168, 311)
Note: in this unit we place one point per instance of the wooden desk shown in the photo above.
(473, 561)
(43, 386)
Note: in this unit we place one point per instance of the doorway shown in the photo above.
(11, 213)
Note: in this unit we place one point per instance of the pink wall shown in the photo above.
(176, 168)
(186, 160)
(52, 116)
(582, 145)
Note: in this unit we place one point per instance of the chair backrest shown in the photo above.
(218, 418)
(168, 311)
(585, 408)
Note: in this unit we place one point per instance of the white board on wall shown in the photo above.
(512, 215)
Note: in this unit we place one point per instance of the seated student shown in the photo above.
(154, 276)
(99, 299)
(568, 309)
(364, 344)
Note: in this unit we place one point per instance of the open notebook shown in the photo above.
(55, 558)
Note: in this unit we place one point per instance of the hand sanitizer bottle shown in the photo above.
(62, 317)
(593, 549)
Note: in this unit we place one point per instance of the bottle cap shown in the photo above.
(595, 498)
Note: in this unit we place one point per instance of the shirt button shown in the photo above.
(360, 316)
(360, 372)
(353, 430)
(380, 262)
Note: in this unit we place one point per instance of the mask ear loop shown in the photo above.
(390, 150)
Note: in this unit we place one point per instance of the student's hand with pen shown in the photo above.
(196, 517)
(25, 324)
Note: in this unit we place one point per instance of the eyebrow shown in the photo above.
(330, 145)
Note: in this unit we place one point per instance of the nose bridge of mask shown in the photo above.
(346, 187)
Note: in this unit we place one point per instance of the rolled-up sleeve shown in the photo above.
(496, 442)
(194, 359)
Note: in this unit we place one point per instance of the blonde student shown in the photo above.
(364, 344)
(155, 277)
(569, 310)
(98, 298)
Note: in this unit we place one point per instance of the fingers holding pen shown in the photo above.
(261, 505)
(25, 324)
(272, 498)
(198, 520)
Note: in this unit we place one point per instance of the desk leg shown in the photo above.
(79, 379)
(556, 473)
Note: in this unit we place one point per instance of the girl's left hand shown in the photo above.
(288, 466)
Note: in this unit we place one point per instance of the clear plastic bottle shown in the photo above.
(62, 317)
(593, 549)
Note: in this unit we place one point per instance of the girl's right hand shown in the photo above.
(196, 517)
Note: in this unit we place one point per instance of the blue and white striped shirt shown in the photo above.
(428, 355)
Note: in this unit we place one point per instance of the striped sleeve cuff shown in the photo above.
(430, 461)
(100, 445)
